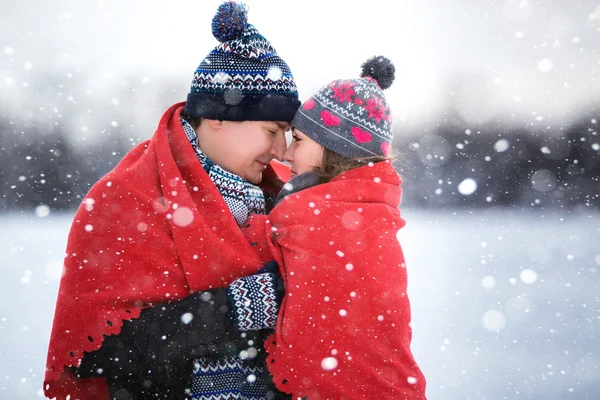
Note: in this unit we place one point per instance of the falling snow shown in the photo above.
(467, 187)
(502, 151)
(329, 363)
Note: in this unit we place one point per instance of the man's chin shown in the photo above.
(255, 180)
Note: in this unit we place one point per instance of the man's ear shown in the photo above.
(214, 124)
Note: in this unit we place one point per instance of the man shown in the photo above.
(160, 296)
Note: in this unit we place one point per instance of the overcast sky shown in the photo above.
(523, 57)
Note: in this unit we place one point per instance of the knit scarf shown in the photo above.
(242, 197)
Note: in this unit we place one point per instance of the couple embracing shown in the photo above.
(202, 268)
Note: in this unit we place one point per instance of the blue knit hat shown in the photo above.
(243, 78)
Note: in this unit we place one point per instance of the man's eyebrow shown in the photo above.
(283, 125)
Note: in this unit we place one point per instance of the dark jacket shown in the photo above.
(152, 357)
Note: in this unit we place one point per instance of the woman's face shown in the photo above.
(304, 154)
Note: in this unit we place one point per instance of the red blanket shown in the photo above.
(343, 330)
(154, 229)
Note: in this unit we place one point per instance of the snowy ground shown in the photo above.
(506, 304)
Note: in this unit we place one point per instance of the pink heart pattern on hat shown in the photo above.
(360, 135)
(330, 119)
(309, 105)
(385, 148)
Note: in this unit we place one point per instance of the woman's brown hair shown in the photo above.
(334, 164)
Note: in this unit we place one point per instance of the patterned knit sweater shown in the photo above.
(241, 376)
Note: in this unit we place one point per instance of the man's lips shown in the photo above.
(263, 163)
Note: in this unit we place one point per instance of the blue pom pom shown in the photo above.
(230, 21)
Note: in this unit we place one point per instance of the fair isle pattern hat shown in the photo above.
(243, 78)
(351, 117)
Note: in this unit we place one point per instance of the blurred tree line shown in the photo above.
(46, 168)
(498, 166)
(516, 167)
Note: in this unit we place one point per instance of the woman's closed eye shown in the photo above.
(296, 138)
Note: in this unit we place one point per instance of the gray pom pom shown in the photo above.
(381, 69)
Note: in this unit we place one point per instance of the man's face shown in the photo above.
(244, 148)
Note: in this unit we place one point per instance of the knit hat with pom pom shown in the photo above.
(243, 78)
(351, 117)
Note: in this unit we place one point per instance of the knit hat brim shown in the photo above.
(235, 106)
(329, 138)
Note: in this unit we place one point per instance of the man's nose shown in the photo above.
(279, 146)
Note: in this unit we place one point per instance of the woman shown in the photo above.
(343, 330)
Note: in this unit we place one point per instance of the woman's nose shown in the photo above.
(289, 154)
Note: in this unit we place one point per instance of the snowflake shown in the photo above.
(376, 108)
(344, 91)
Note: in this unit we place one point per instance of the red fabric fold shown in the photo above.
(343, 330)
(154, 229)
